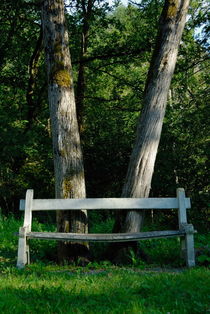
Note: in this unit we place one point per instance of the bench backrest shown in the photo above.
(104, 203)
(30, 204)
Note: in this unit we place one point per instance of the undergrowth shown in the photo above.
(161, 252)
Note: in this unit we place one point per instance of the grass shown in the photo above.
(49, 289)
(44, 287)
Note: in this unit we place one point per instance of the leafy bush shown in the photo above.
(163, 251)
(202, 249)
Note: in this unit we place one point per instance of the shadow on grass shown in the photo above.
(57, 300)
(110, 292)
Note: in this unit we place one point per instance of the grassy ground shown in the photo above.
(97, 288)
(106, 290)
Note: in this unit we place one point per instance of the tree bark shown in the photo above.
(68, 159)
(142, 160)
(33, 71)
(81, 84)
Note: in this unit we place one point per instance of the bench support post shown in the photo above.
(23, 247)
(182, 216)
(189, 245)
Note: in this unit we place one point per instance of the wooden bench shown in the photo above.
(185, 231)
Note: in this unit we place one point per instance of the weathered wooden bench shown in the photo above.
(185, 231)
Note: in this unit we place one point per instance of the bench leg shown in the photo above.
(190, 252)
(23, 249)
(187, 245)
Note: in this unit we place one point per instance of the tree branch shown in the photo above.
(113, 54)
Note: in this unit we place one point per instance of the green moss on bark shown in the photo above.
(67, 187)
(62, 77)
(172, 8)
(60, 74)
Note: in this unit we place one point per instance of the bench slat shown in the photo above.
(108, 237)
(104, 203)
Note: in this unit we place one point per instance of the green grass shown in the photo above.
(44, 287)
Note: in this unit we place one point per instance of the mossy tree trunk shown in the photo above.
(142, 161)
(68, 159)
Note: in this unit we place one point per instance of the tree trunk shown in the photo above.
(142, 161)
(68, 160)
(33, 104)
(81, 84)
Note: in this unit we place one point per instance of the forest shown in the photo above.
(109, 71)
(104, 99)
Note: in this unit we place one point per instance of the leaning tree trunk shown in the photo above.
(68, 160)
(142, 161)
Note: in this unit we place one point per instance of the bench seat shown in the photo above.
(106, 237)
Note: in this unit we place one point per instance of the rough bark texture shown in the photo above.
(68, 160)
(141, 166)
